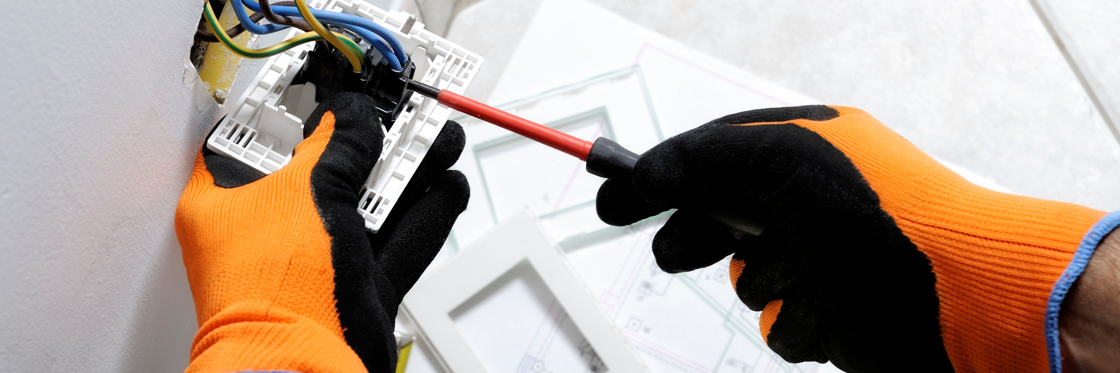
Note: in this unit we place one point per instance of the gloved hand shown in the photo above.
(284, 274)
(876, 257)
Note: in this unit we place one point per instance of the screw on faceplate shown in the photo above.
(408, 24)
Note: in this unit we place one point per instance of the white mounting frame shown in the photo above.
(519, 239)
(261, 131)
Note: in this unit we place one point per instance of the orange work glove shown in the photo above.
(876, 257)
(284, 274)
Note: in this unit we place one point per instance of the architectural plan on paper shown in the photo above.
(512, 308)
(643, 89)
(510, 172)
(612, 78)
(689, 322)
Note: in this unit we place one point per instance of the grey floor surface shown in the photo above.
(977, 83)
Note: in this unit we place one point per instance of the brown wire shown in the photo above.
(319, 45)
(202, 35)
(207, 36)
(266, 8)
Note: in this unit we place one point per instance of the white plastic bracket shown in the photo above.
(519, 239)
(262, 131)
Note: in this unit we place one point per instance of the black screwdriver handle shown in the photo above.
(610, 160)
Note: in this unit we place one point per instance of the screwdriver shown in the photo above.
(604, 157)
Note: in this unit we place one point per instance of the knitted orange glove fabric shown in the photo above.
(877, 257)
(996, 256)
(264, 292)
(283, 274)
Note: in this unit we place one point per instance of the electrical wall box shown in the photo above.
(265, 124)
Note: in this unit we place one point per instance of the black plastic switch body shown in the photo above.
(330, 72)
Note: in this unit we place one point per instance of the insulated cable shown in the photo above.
(373, 38)
(266, 9)
(342, 19)
(225, 39)
(356, 59)
(243, 17)
(376, 42)
(207, 36)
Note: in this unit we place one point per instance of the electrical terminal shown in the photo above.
(265, 123)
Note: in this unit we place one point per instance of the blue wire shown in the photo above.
(341, 18)
(376, 43)
(251, 27)
(363, 23)
(373, 39)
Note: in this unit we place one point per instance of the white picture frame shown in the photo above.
(519, 239)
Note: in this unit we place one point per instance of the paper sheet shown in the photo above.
(678, 323)
(516, 325)
(642, 89)
(509, 172)
(604, 76)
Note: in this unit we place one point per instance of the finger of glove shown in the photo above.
(342, 141)
(849, 355)
(414, 240)
(764, 269)
(792, 328)
(721, 161)
(689, 241)
(779, 114)
(618, 203)
(444, 152)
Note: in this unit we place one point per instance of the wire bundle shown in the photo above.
(303, 17)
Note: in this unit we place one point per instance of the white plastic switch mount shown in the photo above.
(266, 122)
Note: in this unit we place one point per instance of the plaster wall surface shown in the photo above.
(98, 139)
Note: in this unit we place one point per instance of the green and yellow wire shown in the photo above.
(347, 46)
(355, 58)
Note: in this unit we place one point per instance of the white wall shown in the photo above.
(97, 137)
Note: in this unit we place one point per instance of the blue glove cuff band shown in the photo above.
(1069, 276)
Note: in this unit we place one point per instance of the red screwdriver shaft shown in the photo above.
(605, 158)
(566, 143)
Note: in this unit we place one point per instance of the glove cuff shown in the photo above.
(997, 259)
(1065, 282)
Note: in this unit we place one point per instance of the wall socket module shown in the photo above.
(266, 122)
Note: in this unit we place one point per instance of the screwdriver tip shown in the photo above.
(423, 89)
